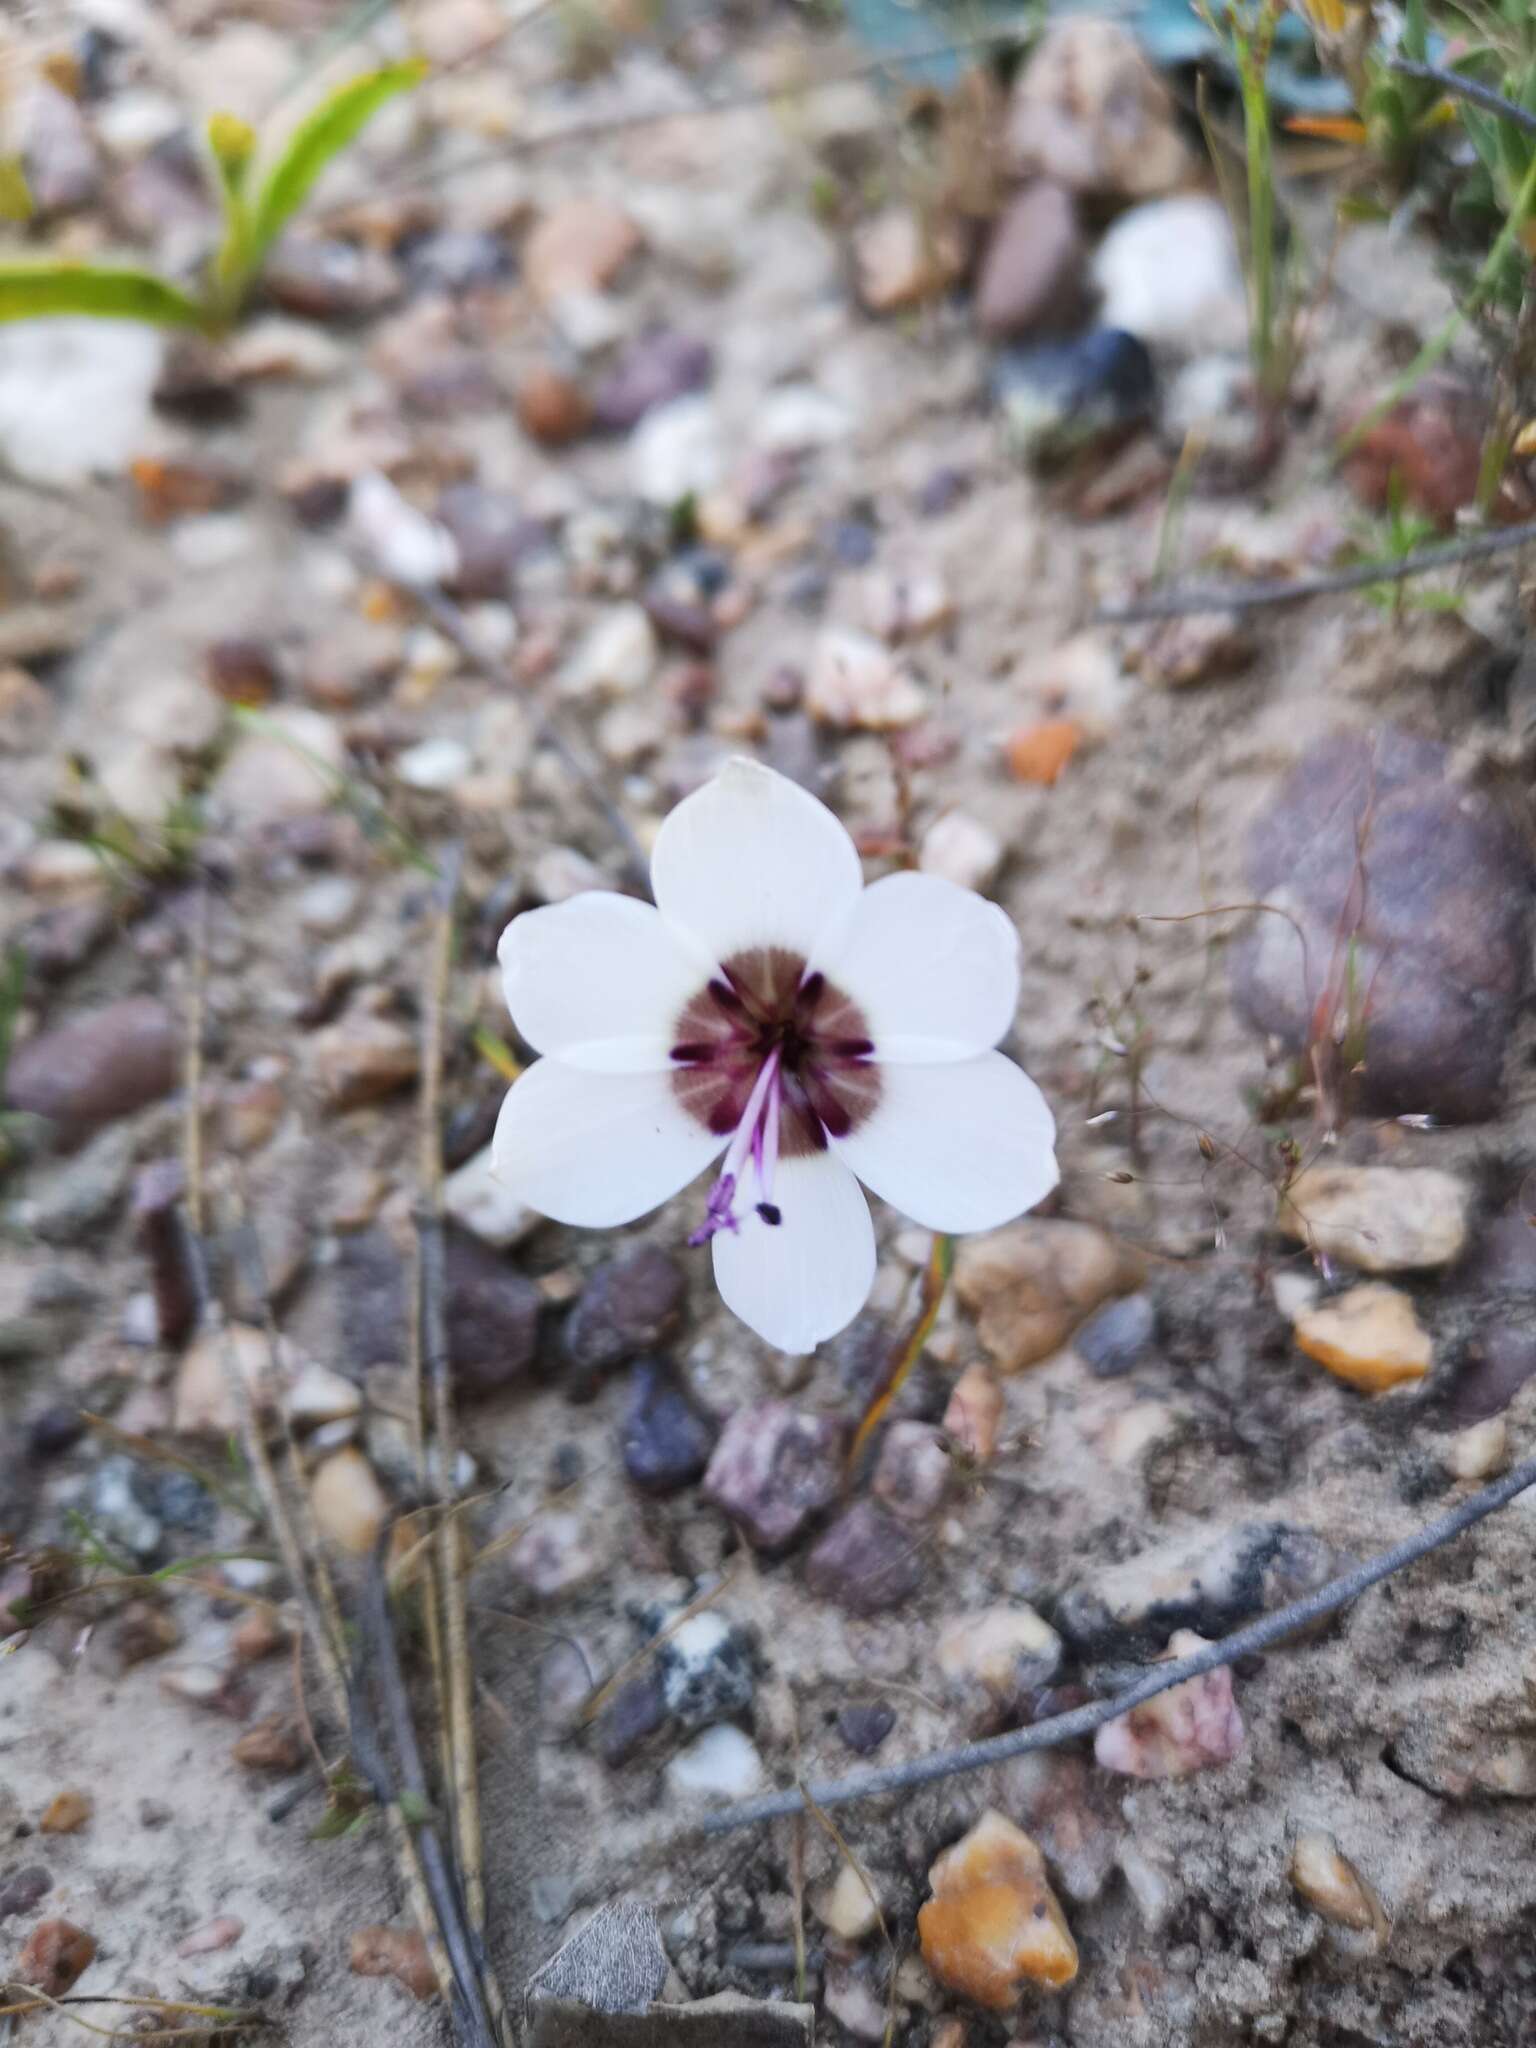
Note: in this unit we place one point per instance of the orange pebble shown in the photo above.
(1038, 753)
(993, 1924)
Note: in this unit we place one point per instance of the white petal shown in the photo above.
(596, 1149)
(934, 968)
(960, 1147)
(600, 981)
(803, 1279)
(751, 859)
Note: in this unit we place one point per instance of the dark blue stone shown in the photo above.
(666, 1440)
(636, 1710)
(1111, 1341)
(864, 1728)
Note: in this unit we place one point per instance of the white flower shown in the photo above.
(771, 1007)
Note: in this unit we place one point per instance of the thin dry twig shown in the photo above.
(1463, 88)
(292, 1528)
(1241, 597)
(1060, 1728)
(823, 79)
(452, 1663)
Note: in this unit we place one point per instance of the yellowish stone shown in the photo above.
(1369, 1336)
(993, 1923)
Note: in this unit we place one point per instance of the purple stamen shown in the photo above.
(718, 1213)
(756, 1139)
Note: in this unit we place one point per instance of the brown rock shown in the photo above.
(1370, 1336)
(581, 245)
(261, 1633)
(204, 1402)
(1031, 1283)
(99, 1065)
(1032, 272)
(349, 1503)
(66, 1813)
(552, 407)
(993, 1923)
(1332, 1886)
(272, 1745)
(973, 1414)
(1040, 751)
(399, 1952)
(903, 260)
(242, 671)
(145, 1630)
(1429, 445)
(55, 1956)
(1089, 111)
(361, 1060)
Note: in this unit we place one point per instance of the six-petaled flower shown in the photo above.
(771, 1008)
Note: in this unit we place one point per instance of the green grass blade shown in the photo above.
(338, 120)
(28, 291)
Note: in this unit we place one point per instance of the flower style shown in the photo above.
(771, 1007)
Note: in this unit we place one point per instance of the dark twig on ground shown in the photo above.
(1258, 1635)
(1463, 88)
(1242, 597)
(408, 1798)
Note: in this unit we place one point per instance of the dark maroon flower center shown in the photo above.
(763, 1003)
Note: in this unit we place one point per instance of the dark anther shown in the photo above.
(811, 988)
(724, 994)
(770, 1212)
(848, 1048)
(698, 1053)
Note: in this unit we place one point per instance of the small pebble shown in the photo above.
(54, 1956)
(1191, 1727)
(1380, 1219)
(348, 1501)
(555, 1555)
(475, 1198)
(866, 1563)
(973, 1414)
(1480, 1452)
(773, 1469)
(1032, 1283)
(629, 1305)
(618, 656)
(634, 1713)
(992, 1660)
(864, 1727)
(213, 1935)
(849, 1908)
(667, 1442)
(65, 1814)
(23, 1888)
(1114, 1339)
(962, 850)
(855, 682)
(914, 1470)
(273, 1745)
(362, 1060)
(722, 1763)
(993, 1925)
(705, 1669)
(853, 2001)
(1332, 1886)
(434, 764)
(1369, 1336)
(1040, 752)
(398, 1952)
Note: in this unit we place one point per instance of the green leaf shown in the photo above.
(29, 291)
(338, 120)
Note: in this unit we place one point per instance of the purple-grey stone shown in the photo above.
(1389, 879)
(866, 1562)
(774, 1468)
(100, 1065)
(652, 371)
(628, 1305)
